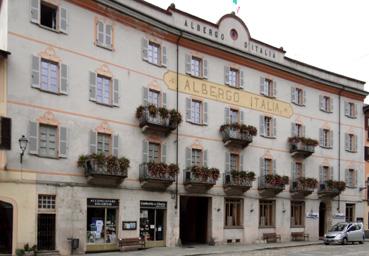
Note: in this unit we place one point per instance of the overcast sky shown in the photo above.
(330, 34)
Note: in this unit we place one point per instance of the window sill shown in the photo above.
(350, 151)
(160, 65)
(325, 147)
(270, 97)
(351, 117)
(268, 137)
(198, 77)
(50, 29)
(233, 227)
(266, 227)
(326, 111)
(196, 123)
(104, 47)
(237, 87)
(292, 226)
(47, 157)
(103, 104)
(50, 92)
(298, 104)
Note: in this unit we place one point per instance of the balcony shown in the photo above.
(330, 188)
(157, 120)
(104, 170)
(199, 179)
(236, 135)
(302, 147)
(271, 185)
(157, 176)
(238, 182)
(302, 187)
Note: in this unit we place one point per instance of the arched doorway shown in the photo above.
(322, 219)
(6, 227)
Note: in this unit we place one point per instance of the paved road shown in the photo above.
(315, 250)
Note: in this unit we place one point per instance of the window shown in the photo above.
(350, 178)
(234, 162)
(297, 130)
(233, 212)
(366, 153)
(103, 90)
(196, 157)
(104, 143)
(154, 152)
(5, 133)
(196, 111)
(326, 104)
(267, 214)
(49, 76)
(233, 116)
(233, 77)
(350, 110)
(268, 87)
(299, 170)
(104, 34)
(48, 141)
(297, 214)
(350, 212)
(46, 228)
(49, 15)
(267, 166)
(326, 138)
(46, 201)
(154, 98)
(351, 142)
(298, 96)
(268, 127)
(153, 53)
(196, 66)
(325, 173)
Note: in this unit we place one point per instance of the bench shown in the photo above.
(271, 237)
(130, 244)
(299, 236)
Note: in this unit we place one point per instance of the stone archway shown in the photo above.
(10, 201)
(6, 227)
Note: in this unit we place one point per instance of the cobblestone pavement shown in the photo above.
(314, 250)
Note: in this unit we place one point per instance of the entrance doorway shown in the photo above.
(322, 209)
(194, 219)
(6, 227)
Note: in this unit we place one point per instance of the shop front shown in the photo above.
(152, 223)
(102, 224)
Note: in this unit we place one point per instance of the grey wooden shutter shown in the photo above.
(274, 125)
(331, 105)
(331, 173)
(347, 142)
(293, 95)
(115, 93)
(64, 73)
(205, 113)
(164, 100)
(226, 75)
(262, 166)
(227, 162)
(241, 162)
(274, 162)
(145, 151)
(188, 157)
(35, 82)
(242, 81)
(5, 133)
(164, 153)
(164, 58)
(241, 117)
(293, 171)
(331, 139)
(100, 33)
(109, 36)
(347, 177)
(293, 129)
(63, 20)
(35, 11)
(205, 163)
(262, 126)
(63, 141)
(321, 138)
(205, 72)
(262, 85)
(303, 129)
(93, 142)
(115, 144)
(354, 178)
(226, 116)
(274, 83)
(145, 96)
(304, 97)
(355, 110)
(321, 174)
(144, 48)
(355, 143)
(321, 103)
(33, 138)
(303, 169)
(188, 109)
(347, 108)
(188, 59)
(92, 86)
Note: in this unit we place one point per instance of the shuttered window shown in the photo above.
(351, 142)
(234, 162)
(326, 138)
(103, 143)
(326, 103)
(297, 130)
(298, 96)
(268, 87)
(351, 178)
(233, 212)
(350, 110)
(196, 111)
(266, 213)
(196, 66)
(104, 90)
(154, 152)
(154, 53)
(104, 34)
(49, 76)
(297, 214)
(48, 141)
(233, 116)
(268, 126)
(196, 157)
(154, 98)
(5, 133)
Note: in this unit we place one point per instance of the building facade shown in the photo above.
(366, 158)
(263, 143)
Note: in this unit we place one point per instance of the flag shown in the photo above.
(235, 1)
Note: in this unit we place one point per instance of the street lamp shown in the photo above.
(23, 145)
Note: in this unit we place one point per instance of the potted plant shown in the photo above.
(26, 251)
(173, 170)
(163, 112)
(152, 110)
(250, 176)
(175, 118)
(140, 111)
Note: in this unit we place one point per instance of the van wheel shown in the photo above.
(344, 240)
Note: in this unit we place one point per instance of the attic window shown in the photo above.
(234, 34)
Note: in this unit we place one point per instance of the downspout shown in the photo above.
(177, 108)
(339, 145)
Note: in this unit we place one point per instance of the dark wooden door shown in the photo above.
(46, 232)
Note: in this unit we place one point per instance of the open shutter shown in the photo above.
(274, 83)
(205, 158)
(115, 92)
(205, 113)
(144, 48)
(262, 85)
(35, 11)
(293, 95)
(188, 64)
(35, 72)
(321, 174)
(33, 137)
(242, 81)
(188, 157)
(354, 178)
(109, 36)
(330, 104)
(63, 20)
(226, 116)
(5, 133)
(293, 171)
(205, 68)
(303, 130)
(347, 177)
(274, 162)
(331, 139)
(145, 96)
(164, 100)
(145, 151)
(262, 126)
(241, 117)
(227, 162)
(226, 75)
(241, 162)
(115, 145)
(262, 166)
(304, 97)
(321, 103)
(164, 152)
(293, 129)
(188, 109)
(164, 58)
(100, 33)
(303, 169)
(355, 110)
(92, 86)
(93, 142)
(321, 138)
(347, 142)
(331, 172)
(64, 73)
(63, 141)
(274, 123)
(347, 108)
(354, 148)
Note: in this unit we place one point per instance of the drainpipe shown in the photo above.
(339, 145)
(177, 107)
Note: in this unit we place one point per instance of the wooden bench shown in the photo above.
(299, 236)
(271, 237)
(130, 244)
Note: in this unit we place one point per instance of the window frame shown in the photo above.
(269, 207)
(234, 112)
(232, 206)
(236, 81)
(234, 157)
(200, 66)
(297, 207)
(299, 99)
(58, 75)
(150, 46)
(57, 10)
(150, 93)
(200, 157)
(57, 141)
(104, 44)
(104, 78)
(149, 152)
(200, 110)
(268, 83)
(104, 136)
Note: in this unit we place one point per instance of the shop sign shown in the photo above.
(312, 215)
(339, 215)
(97, 202)
(129, 225)
(217, 92)
(153, 204)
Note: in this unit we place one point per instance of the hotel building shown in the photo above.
(92, 84)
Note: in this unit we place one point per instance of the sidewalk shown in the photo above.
(198, 250)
